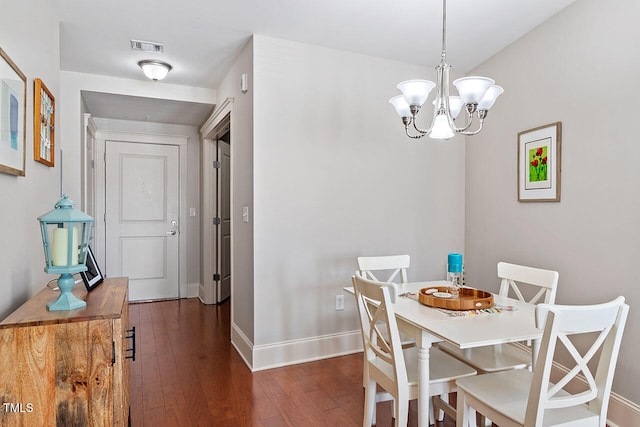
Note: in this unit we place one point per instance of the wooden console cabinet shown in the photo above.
(67, 368)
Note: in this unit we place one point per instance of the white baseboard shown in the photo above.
(305, 350)
(190, 290)
(242, 344)
(622, 412)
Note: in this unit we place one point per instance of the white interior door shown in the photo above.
(223, 234)
(141, 224)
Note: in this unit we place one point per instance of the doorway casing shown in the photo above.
(213, 128)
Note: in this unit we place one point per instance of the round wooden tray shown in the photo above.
(468, 299)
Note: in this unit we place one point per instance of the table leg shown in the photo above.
(535, 349)
(424, 344)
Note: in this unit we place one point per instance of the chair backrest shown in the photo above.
(560, 323)
(513, 275)
(392, 264)
(380, 335)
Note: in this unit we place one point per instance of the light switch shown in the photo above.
(192, 211)
(245, 214)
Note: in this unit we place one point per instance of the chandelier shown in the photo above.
(477, 96)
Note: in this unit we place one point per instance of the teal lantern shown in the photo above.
(65, 236)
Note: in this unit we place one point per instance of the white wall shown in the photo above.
(335, 178)
(580, 68)
(29, 35)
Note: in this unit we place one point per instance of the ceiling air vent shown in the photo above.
(147, 46)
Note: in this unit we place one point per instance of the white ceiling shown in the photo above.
(202, 37)
(122, 107)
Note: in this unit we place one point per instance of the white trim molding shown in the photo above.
(215, 117)
(190, 290)
(242, 344)
(305, 350)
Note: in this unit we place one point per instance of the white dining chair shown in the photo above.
(515, 278)
(389, 265)
(520, 397)
(393, 368)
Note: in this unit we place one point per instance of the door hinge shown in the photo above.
(216, 277)
(104, 156)
(105, 218)
(217, 164)
(113, 353)
(216, 221)
(93, 164)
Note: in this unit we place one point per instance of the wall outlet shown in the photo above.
(339, 302)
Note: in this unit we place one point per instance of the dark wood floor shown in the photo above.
(187, 373)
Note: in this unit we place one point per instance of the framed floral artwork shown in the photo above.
(43, 124)
(13, 112)
(539, 163)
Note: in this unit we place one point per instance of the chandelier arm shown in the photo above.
(475, 132)
(421, 131)
(468, 121)
(407, 122)
(413, 136)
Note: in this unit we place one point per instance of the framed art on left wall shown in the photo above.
(13, 113)
(43, 124)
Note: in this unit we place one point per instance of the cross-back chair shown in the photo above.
(520, 397)
(389, 365)
(508, 356)
(388, 267)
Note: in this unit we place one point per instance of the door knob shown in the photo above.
(174, 228)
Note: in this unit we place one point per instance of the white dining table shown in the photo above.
(428, 325)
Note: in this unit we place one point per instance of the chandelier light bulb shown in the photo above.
(441, 128)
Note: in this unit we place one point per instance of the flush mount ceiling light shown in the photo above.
(155, 70)
(477, 95)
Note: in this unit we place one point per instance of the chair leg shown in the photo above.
(365, 371)
(369, 404)
(484, 421)
(432, 412)
(440, 414)
(462, 411)
(401, 408)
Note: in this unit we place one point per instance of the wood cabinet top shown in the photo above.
(104, 302)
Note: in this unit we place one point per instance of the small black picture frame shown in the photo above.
(93, 276)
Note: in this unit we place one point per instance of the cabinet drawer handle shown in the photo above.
(132, 350)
